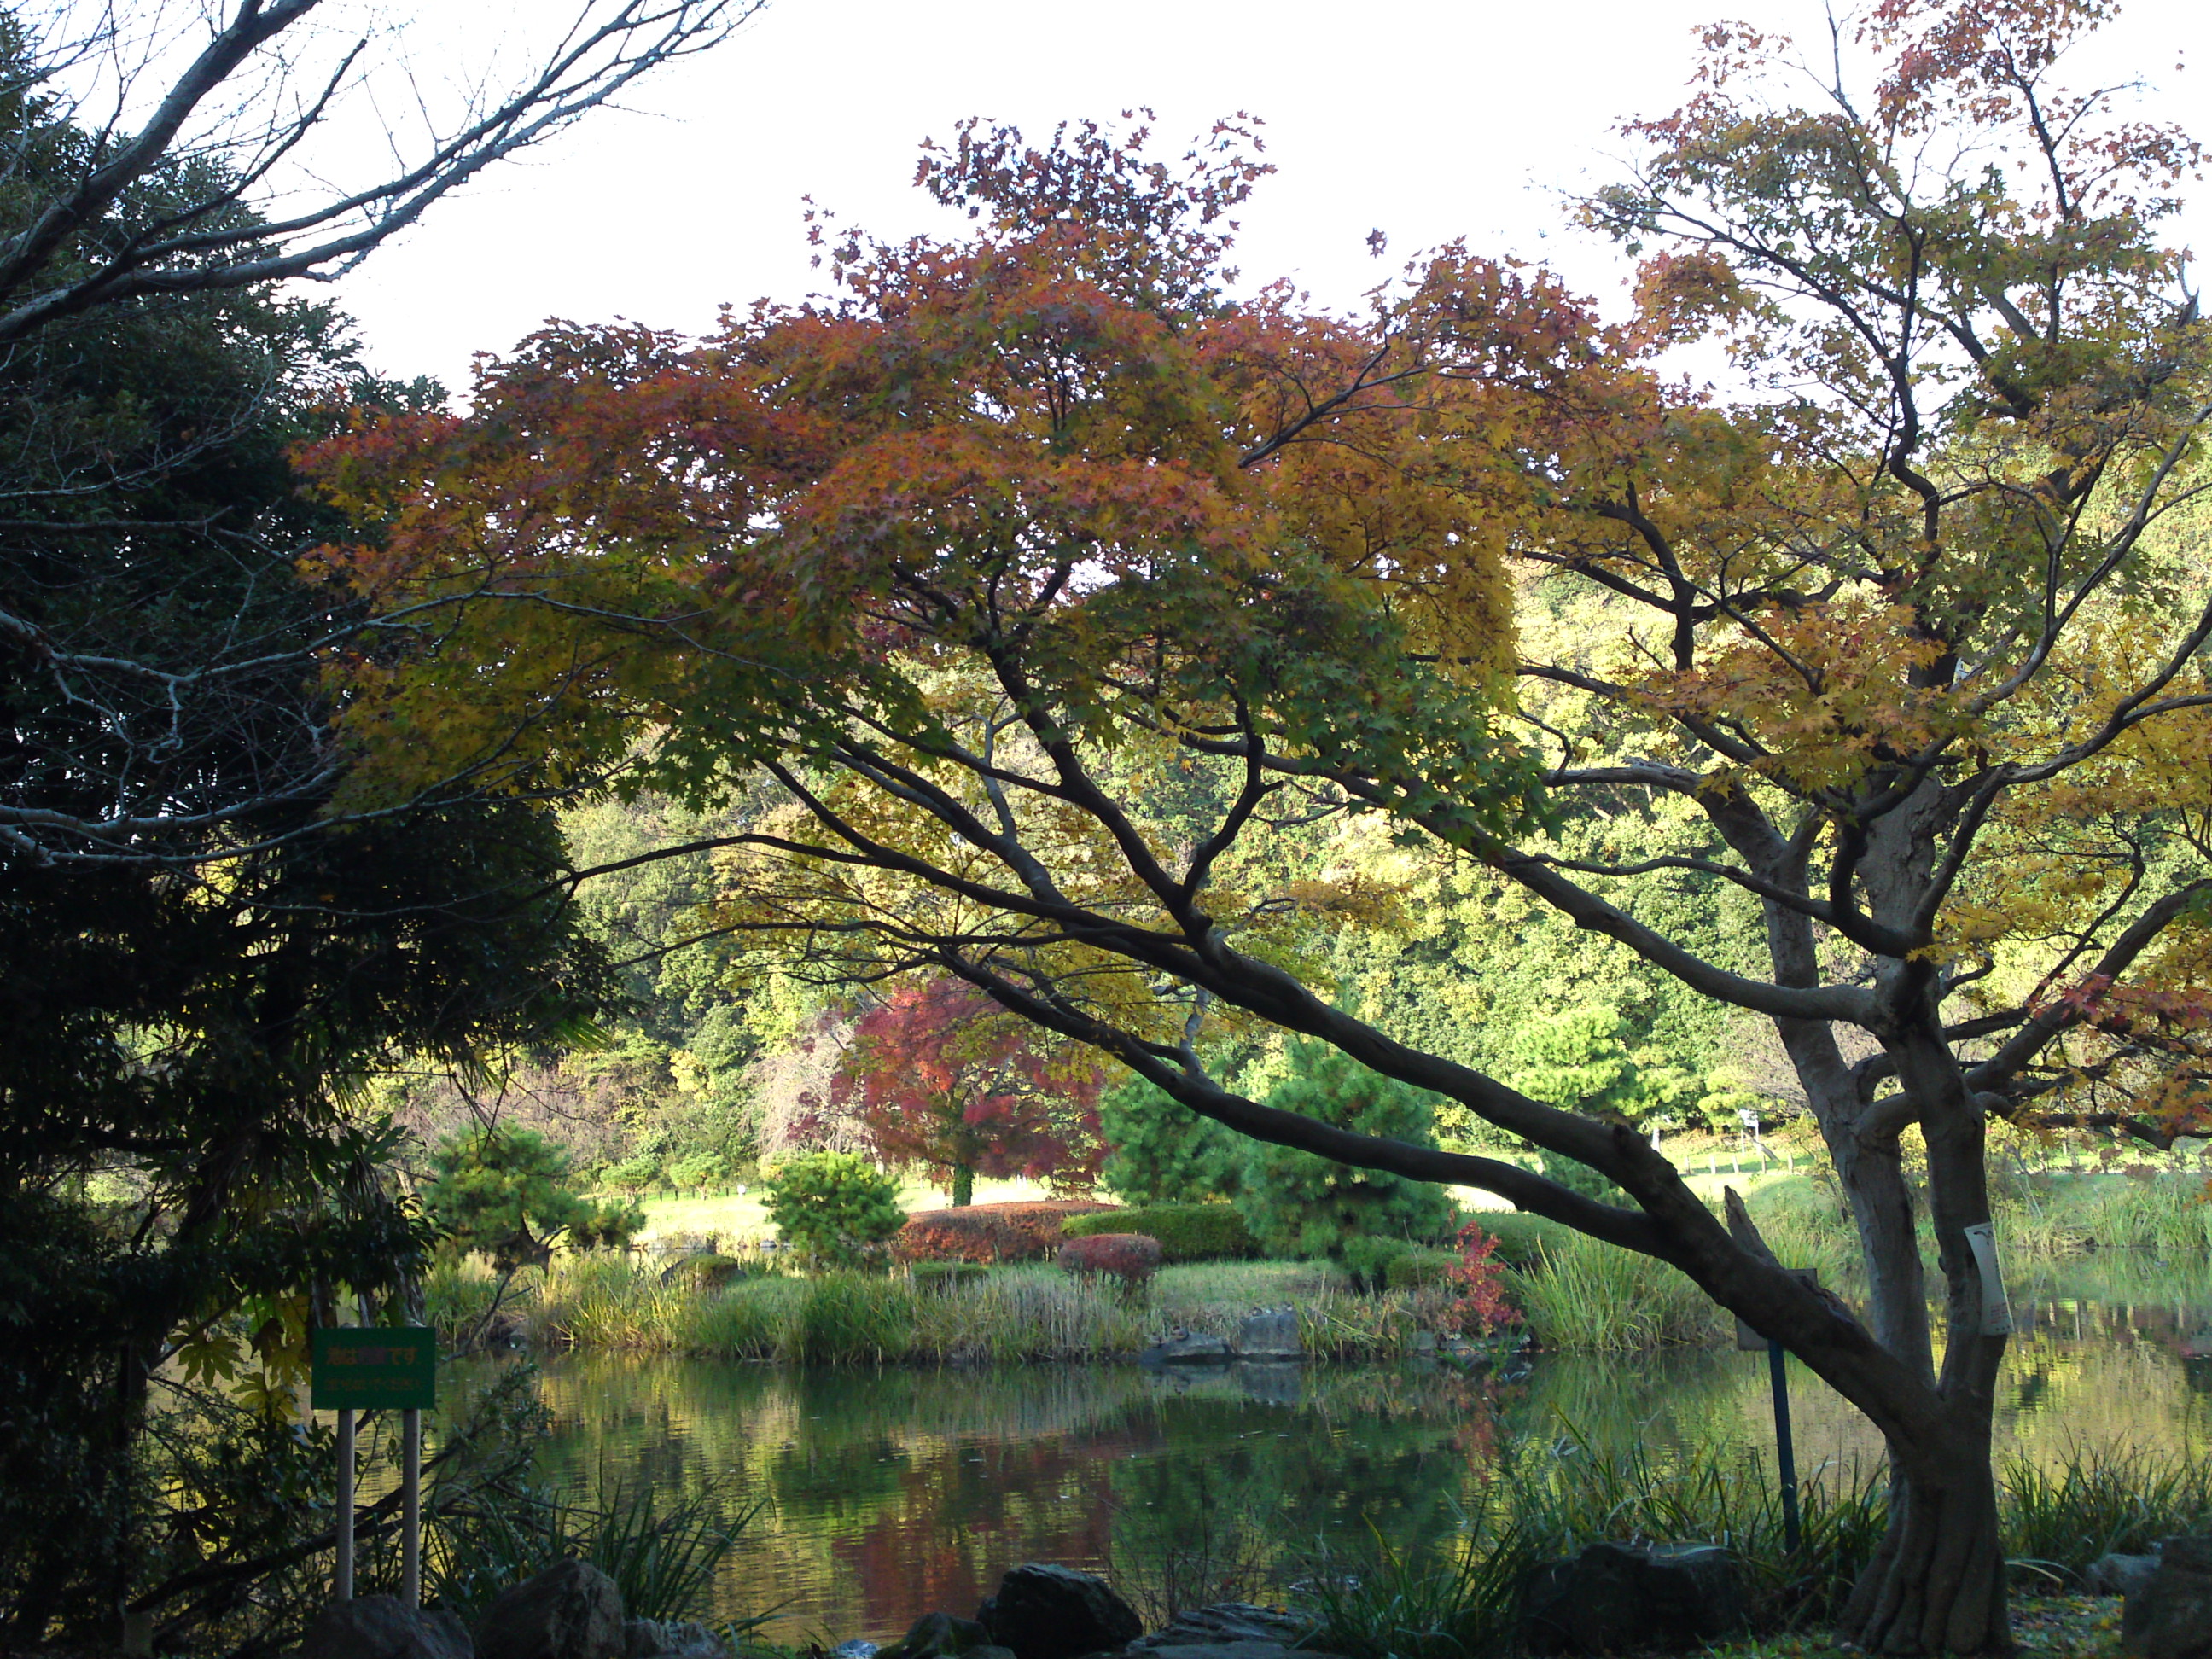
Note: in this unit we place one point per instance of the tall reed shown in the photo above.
(1582, 1294)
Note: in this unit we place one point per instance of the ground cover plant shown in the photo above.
(1077, 619)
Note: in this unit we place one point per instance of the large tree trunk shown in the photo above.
(964, 1185)
(1937, 1585)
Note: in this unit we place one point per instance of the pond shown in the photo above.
(887, 1493)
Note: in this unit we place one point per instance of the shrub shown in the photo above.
(1300, 1204)
(1418, 1268)
(1130, 1257)
(1523, 1238)
(1185, 1232)
(990, 1233)
(1161, 1151)
(1478, 1306)
(835, 1209)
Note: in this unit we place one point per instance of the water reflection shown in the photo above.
(888, 1493)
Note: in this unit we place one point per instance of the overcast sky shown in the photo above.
(1423, 118)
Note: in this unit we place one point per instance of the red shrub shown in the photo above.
(988, 1232)
(1131, 1258)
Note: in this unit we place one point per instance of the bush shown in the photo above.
(835, 1209)
(1523, 1238)
(1418, 1268)
(1163, 1152)
(992, 1233)
(1130, 1257)
(1301, 1205)
(1185, 1232)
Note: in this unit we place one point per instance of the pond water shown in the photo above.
(887, 1493)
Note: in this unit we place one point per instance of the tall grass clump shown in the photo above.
(1584, 1294)
(661, 1555)
(851, 1319)
(2057, 1520)
(1030, 1313)
(1463, 1602)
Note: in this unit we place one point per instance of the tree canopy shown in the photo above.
(1024, 538)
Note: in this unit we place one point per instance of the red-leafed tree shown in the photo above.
(939, 1075)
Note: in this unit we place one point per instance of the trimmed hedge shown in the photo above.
(990, 1232)
(1187, 1232)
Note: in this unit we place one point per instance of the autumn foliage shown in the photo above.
(939, 1075)
(988, 1233)
(1130, 1257)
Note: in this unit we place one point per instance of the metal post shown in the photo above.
(343, 1591)
(410, 1508)
(1785, 1454)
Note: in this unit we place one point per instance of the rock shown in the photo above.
(383, 1627)
(674, 1639)
(1615, 1598)
(858, 1648)
(1185, 1348)
(2171, 1617)
(1227, 1623)
(1271, 1333)
(570, 1611)
(939, 1636)
(2120, 1574)
(1046, 1612)
(1232, 1651)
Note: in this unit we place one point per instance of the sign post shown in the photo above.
(1785, 1449)
(369, 1368)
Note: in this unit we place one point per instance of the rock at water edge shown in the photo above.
(383, 1627)
(672, 1639)
(938, 1635)
(2171, 1617)
(1272, 1333)
(1046, 1612)
(570, 1611)
(1187, 1348)
(1624, 1598)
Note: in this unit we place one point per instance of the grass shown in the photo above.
(1584, 1295)
(1460, 1602)
(1575, 1294)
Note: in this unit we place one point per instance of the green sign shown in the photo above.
(360, 1368)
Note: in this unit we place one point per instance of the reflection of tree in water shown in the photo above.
(891, 1493)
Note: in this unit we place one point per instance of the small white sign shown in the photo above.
(1996, 1312)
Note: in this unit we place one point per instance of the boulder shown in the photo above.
(1228, 1621)
(1046, 1611)
(570, 1611)
(2120, 1574)
(2171, 1616)
(670, 1638)
(1271, 1333)
(859, 1647)
(938, 1635)
(1622, 1598)
(1188, 1348)
(383, 1627)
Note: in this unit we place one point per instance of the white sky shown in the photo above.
(1421, 117)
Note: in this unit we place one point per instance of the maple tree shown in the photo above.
(1067, 603)
(939, 1075)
